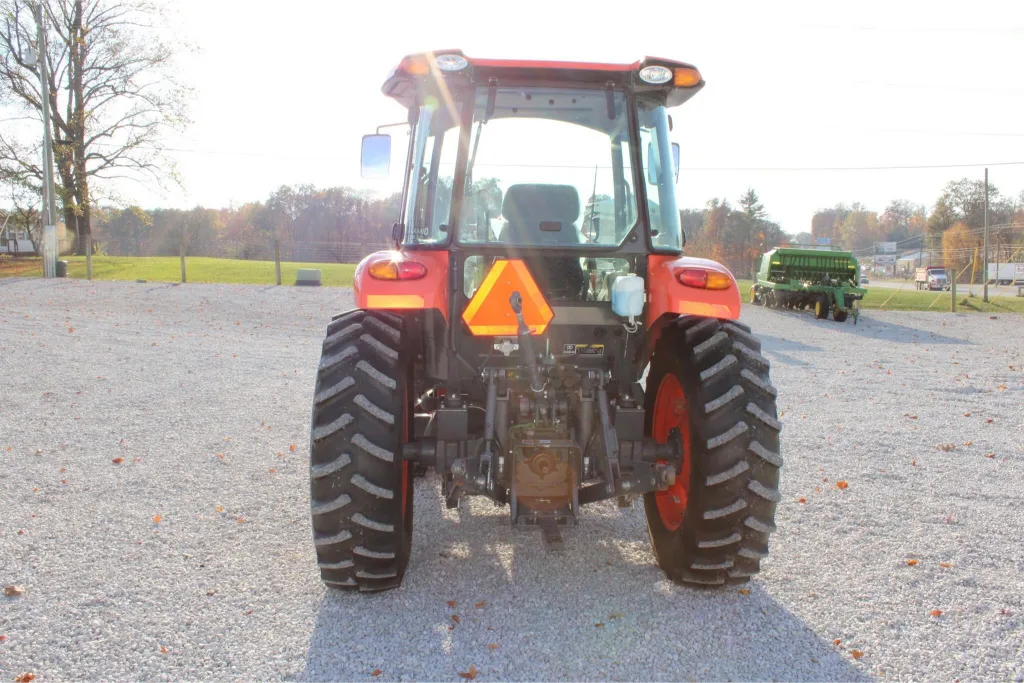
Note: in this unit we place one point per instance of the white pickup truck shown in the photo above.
(932, 277)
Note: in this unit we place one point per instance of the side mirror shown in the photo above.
(376, 156)
(675, 159)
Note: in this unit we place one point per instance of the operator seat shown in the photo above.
(545, 215)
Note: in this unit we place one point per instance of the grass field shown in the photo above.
(912, 300)
(168, 269)
(201, 269)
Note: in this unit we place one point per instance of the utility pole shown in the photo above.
(985, 272)
(49, 202)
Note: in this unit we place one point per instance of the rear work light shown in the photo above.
(682, 77)
(451, 62)
(656, 74)
(397, 270)
(704, 279)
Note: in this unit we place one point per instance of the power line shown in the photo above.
(682, 168)
(849, 168)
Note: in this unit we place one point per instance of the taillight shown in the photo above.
(704, 279)
(397, 270)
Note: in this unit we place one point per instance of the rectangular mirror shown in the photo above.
(376, 156)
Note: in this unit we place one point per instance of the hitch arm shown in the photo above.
(611, 438)
(526, 344)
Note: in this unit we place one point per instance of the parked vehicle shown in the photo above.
(1007, 274)
(932, 278)
(806, 278)
(504, 340)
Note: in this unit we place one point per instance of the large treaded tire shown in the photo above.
(731, 429)
(360, 488)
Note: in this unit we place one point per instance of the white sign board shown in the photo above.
(885, 247)
(881, 260)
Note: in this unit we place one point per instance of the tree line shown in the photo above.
(951, 231)
(306, 222)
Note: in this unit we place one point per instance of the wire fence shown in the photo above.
(250, 250)
(267, 261)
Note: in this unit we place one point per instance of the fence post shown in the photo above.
(952, 292)
(88, 256)
(183, 280)
(277, 259)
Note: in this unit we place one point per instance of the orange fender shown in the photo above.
(668, 295)
(429, 291)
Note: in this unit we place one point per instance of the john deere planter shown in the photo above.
(817, 279)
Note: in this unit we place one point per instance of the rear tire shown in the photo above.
(709, 380)
(360, 488)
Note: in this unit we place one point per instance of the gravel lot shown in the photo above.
(191, 559)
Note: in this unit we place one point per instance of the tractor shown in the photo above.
(536, 334)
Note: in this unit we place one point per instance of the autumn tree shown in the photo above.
(825, 222)
(900, 221)
(113, 92)
(941, 219)
(859, 229)
(130, 227)
(692, 221)
(959, 244)
(711, 243)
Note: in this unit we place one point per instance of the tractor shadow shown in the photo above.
(779, 348)
(885, 330)
(480, 593)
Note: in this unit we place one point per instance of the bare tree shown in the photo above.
(113, 98)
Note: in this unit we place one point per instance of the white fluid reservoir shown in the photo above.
(628, 296)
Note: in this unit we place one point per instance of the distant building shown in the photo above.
(910, 261)
(15, 241)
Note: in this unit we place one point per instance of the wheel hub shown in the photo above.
(672, 414)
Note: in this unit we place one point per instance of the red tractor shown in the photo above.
(537, 279)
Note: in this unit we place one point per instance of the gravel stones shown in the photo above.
(202, 389)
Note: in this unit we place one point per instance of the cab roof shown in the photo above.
(421, 73)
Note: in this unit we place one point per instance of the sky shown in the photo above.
(284, 92)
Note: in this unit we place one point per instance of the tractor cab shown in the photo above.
(567, 165)
(536, 334)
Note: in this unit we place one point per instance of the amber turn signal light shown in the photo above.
(415, 65)
(397, 270)
(704, 279)
(686, 78)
